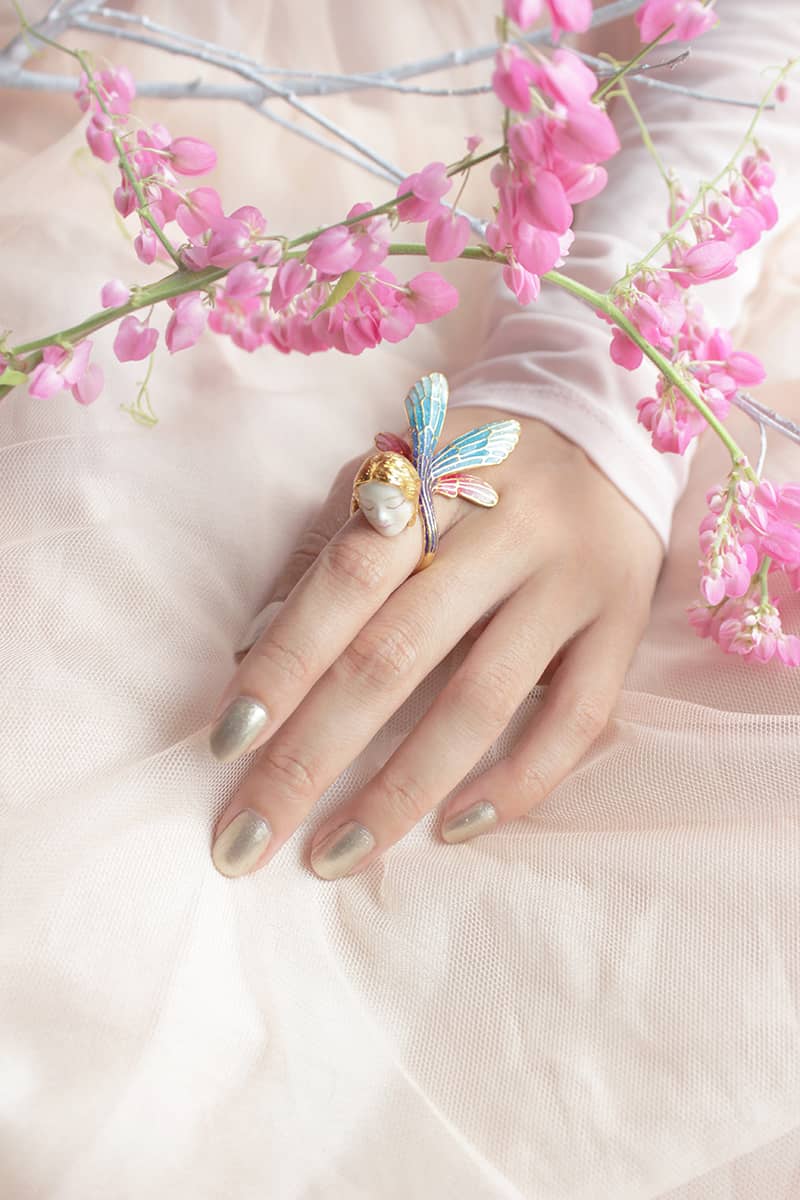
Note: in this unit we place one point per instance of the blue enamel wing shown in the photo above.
(445, 471)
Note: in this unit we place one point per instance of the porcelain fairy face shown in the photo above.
(385, 507)
(386, 489)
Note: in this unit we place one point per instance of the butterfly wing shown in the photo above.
(471, 487)
(426, 405)
(482, 447)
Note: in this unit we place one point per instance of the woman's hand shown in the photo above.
(570, 566)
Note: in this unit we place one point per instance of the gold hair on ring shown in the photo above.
(387, 466)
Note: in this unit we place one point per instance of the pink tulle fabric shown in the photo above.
(600, 1000)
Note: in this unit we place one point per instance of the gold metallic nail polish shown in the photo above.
(237, 728)
(241, 843)
(472, 821)
(341, 850)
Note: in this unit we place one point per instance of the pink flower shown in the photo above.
(117, 87)
(371, 238)
(134, 340)
(565, 79)
(114, 293)
(428, 187)
(100, 137)
(200, 211)
(430, 297)
(522, 283)
(333, 251)
(624, 352)
(689, 19)
(89, 386)
(236, 237)
(571, 15)
(59, 369)
(446, 235)
(512, 78)
(191, 156)
(703, 262)
(291, 278)
(543, 203)
(522, 12)
(586, 135)
(187, 322)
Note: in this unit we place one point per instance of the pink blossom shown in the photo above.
(522, 283)
(566, 79)
(117, 87)
(371, 238)
(200, 210)
(703, 262)
(586, 135)
(100, 137)
(89, 386)
(570, 15)
(59, 369)
(512, 78)
(446, 235)
(114, 293)
(191, 156)
(430, 297)
(473, 141)
(624, 352)
(689, 19)
(543, 203)
(244, 280)
(537, 249)
(187, 322)
(291, 278)
(236, 237)
(522, 12)
(125, 198)
(333, 251)
(428, 186)
(134, 340)
(146, 244)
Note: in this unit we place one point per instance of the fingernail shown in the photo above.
(472, 821)
(241, 843)
(237, 728)
(341, 850)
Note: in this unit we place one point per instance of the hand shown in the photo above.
(570, 566)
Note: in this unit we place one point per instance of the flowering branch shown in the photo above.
(331, 286)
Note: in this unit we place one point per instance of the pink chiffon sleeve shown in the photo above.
(550, 360)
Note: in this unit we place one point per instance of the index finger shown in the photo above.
(344, 587)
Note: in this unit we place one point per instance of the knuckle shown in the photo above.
(404, 801)
(291, 661)
(349, 563)
(588, 717)
(532, 782)
(487, 699)
(381, 657)
(307, 550)
(291, 774)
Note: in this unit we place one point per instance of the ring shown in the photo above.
(398, 481)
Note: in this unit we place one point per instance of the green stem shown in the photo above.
(125, 165)
(649, 145)
(601, 303)
(629, 66)
(463, 164)
(172, 285)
